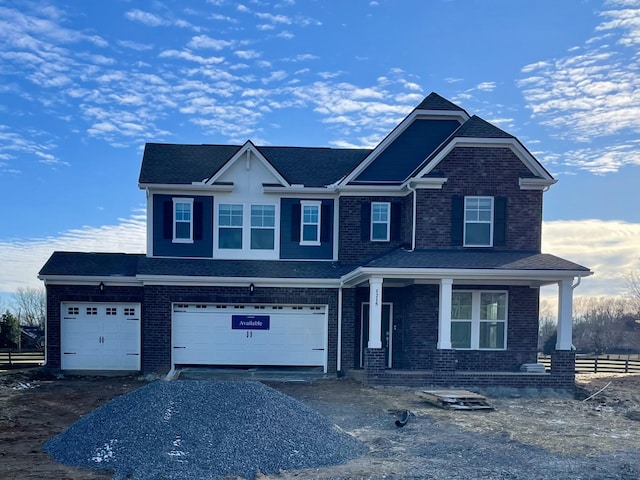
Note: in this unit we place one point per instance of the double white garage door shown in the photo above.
(100, 336)
(107, 336)
(205, 334)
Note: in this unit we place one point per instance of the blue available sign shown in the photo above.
(250, 322)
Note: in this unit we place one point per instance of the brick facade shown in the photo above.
(485, 171)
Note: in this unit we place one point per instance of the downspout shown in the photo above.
(339, 362)
(575, 285)
(413, 227)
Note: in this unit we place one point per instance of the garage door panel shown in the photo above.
(205, 335)
(100, 336)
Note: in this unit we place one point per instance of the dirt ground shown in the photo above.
(525, 437)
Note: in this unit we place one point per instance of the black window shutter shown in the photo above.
(295, 222)
(167, 221)
(499, 221)
(396, 221)
(365, 222)
(198, 219)
(325, 225)
(457, 220)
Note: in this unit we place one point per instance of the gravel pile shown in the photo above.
(203, 430)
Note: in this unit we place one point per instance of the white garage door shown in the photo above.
(206, 334)
(100, 336)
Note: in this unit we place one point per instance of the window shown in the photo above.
(478, 221)
(263, 222)
(478, 320)
(310, 223)
(230, 226)
(129, 311)
(380, 225)
(183, 220)
(112, 311)
(73, 311)
(92, 310)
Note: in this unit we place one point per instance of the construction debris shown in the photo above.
(455, 399)
(404, 418)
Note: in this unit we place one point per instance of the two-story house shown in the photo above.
(418, 262)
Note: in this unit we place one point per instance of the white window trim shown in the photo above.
(175, 221)
(475, 319)
(260, 227)
(490, 222)
(388, 223)
(318, 205)
(225, 227)
(245, 252)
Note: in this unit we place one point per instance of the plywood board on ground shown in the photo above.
(455, 399)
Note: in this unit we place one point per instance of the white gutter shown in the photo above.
(339, 362)
(414, 220)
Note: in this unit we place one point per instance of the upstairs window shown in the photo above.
(478, 221)
(230, 226)
(183, 220)
(380, 224)
(478, 320)
(310, 223)
(263, 223)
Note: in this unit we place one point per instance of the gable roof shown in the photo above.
(411, 150)
(433, 101)
(184, 164)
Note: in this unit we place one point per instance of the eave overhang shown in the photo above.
(516, 147)
(238, 281)
(195, 187)
(492, 276)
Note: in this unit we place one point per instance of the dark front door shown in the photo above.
(387, 331)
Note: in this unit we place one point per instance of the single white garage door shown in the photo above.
(100, 336)
(205, 334)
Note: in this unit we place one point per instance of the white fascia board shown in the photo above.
(516, 147)
(378, 190)
(462, 275)
(179, 189)
(85, 280)
(535, 183)
(429, 183)
(247, 149)
(460, 116)
(202, 281)
(299, 190)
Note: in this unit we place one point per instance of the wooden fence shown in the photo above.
(601, 364)
(13, 359)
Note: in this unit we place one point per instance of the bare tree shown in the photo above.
(547, 323)
(30, 306)
(633, 292)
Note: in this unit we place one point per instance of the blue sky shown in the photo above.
(83, 85)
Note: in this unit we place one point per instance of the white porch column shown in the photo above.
(565, 315)
(375, 313)
(444, 316)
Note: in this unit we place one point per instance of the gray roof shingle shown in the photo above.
(92, 264)
(433, 101)
(485, 260)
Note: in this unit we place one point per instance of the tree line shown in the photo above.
(25, 312)
(600, 324)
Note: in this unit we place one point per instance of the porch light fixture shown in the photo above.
(101, 287)
(252, 288)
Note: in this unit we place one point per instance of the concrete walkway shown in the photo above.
(267, 374)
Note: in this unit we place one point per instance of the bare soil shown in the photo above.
(525, 437)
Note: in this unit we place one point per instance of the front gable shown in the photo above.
(248, 170)
(409, 143)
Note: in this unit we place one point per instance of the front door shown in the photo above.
(387, 330)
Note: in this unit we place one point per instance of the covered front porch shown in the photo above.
(443, 341)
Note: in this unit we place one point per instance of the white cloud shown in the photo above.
(204, 41)
(21, 260)
(611, 249)
(147, 18)
(593, 92)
